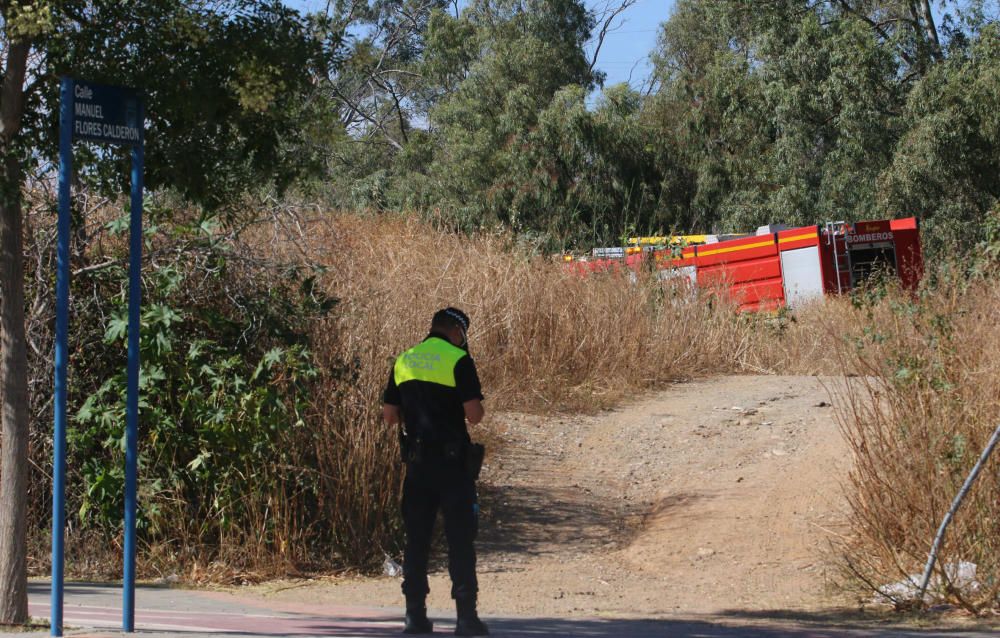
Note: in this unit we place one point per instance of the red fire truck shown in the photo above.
(778, 267)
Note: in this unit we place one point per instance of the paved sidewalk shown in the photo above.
(161, 612)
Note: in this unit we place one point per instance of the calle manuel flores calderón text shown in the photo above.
(106, 114)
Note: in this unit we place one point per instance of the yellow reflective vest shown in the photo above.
(432, 360)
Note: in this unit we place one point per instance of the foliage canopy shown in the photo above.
(781, 112)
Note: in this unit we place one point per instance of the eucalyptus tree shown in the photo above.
(379, 89)
(500, 63)
(946, 166)
(792, 111)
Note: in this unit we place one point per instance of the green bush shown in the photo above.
(227, 373)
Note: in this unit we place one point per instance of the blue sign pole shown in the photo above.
(132, 404)
(61, 354)
(106, 115)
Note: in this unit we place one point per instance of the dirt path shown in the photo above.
(711, 496)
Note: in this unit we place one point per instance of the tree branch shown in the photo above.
(381, 127)
(607, 19)
(878, 27)
(930, 29)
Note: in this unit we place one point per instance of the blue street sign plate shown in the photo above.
(107, 114)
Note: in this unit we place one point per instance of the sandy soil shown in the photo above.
(711, 496)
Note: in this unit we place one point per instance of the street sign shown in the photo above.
(108, 114)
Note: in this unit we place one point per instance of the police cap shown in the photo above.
(451, 315)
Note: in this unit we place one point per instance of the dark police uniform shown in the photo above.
(430, 382)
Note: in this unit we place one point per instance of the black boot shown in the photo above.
(468, 623)
(417, 621)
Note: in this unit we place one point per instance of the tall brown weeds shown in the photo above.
(924, 394)
(544, 339)
(920, 411)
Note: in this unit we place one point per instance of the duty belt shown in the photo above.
(416, 449)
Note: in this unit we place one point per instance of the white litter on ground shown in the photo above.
(391, 568)
(962, 577)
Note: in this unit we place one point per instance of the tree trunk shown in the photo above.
(13, 357)
(928, 44)
(14, 408)
(930, 29)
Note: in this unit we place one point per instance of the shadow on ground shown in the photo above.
(610, 628)
(192, 614)
(735, 625)
(537, 522)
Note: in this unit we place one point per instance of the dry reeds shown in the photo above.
(544, 339)
(924, 404)
(924, 397)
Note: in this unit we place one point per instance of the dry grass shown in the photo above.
(926, 398)
(924, 401)
(544, 340)
(924, 404)
(805, 342)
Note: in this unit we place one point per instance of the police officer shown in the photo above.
(433, 390)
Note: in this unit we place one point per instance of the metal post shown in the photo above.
(132, 401)
(831, 239)
(939, 538)
(61, 353)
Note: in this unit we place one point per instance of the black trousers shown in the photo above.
(427, 488)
